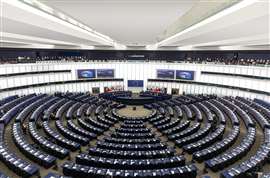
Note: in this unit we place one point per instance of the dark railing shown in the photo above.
(61, 83)
(211, 84)
(236, 75)
(34, 73)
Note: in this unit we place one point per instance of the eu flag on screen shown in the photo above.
(135, 83)
(185, 74)
(86, 73)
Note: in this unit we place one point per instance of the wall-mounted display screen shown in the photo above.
(185, 74)
(135, 83)
(86, 73)
(105, 73)
(165, 73)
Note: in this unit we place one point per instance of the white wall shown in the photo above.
(135, 71)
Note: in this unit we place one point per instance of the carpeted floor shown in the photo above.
(129, 112)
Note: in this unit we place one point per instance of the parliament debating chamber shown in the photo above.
(134, 89)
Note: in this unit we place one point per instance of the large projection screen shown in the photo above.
(165, 73)
(184, 74)
(86, 73)
(105, 73)
(135, 83)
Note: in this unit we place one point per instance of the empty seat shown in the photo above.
(77, 170)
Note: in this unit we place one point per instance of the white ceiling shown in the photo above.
(246, 24)
(136, 23)
(130, 22)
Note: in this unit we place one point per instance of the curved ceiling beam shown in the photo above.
(215, 18)
(35, 13)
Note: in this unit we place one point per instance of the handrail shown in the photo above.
(34, 73)
(235, 75)
(61, 83)
(211, 84)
